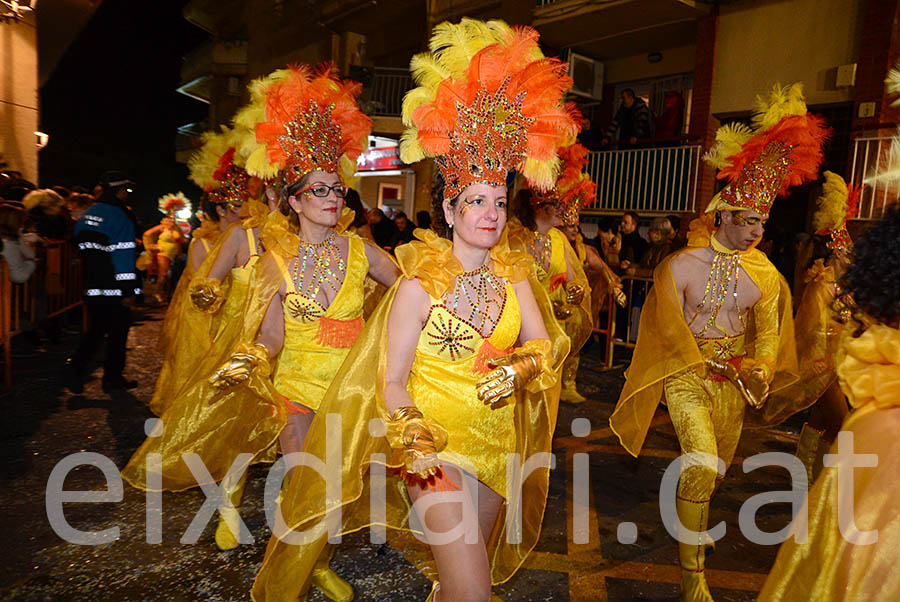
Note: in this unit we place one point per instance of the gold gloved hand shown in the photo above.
(752, 384)
(236, 370)
(619, 295)
(574, 293)
(206, 295)
(560, 310)
(418, 439)
(514, 371)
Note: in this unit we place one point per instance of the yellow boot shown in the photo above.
(807, 448)
(569, 391)
(692, 556)
(228, 529)
(327, 581)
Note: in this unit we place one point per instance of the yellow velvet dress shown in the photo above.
(170, 241)
(818, 335)
(450, 358)
(827, 567)
(316, 339)
(552, 276)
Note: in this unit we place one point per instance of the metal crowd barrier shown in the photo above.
(53, 289)
(636, 289)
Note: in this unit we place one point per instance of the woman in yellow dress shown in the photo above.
(852, 526)
(164, 242)
(559, 269)
(455, 371)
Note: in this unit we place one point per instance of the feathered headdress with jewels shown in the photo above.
(311, 122)
(888, 169)
(783, 149)
(574, 188)
(216, 168)
(487, 102)
(838, 203)
(173, 202)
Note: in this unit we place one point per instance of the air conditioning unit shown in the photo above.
(587, 75)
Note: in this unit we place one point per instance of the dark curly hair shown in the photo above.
(438, 220)
(209, 208)
(873, 277)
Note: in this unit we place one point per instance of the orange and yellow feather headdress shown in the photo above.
(216, 167)
(783, 149)
(574, 188)
(838, 204)
(487, 102)
(173, 202)
(310, 122)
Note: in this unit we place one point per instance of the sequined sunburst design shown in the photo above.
(234, 187)
(761, 179)
(312, 141)
(302, 309)
(724, 349)
(451, 337)
(490, 139)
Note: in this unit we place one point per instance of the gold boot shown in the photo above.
(327, 581)
(692, 556)
(228, 529)
(569, 391)
(807, 448)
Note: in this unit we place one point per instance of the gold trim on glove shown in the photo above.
(561, 311)
(619, 295)
(752, 384)
(513, 372)
(574, 293)
(206, 295)
(418, 439)
(236, 370)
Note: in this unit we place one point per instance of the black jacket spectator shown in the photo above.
(106, 238)
(632, 120)
(383, 229)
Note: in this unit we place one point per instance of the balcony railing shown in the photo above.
(388, 88)
(867, 152)
(647, 180)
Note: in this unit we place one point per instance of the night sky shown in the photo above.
(112, 104)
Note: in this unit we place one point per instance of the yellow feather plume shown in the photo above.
(831, 207)
(893, 84)
(414, 99)
(245, 121)
(455, 45)
(205, 162)
(781, 102)
(729, 140)
(888, 169)
(410, 149)
(542, 174)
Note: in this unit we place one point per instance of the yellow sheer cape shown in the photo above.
(665, 345)
(828, 568)
(356, 398)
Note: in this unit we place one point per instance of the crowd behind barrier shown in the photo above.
(636, 289)
(52, 290)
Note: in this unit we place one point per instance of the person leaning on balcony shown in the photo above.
(660, 246)
(632, 120)
(633, 244)
(717, 332)
(15, 243)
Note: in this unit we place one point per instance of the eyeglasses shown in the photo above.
(321, 190)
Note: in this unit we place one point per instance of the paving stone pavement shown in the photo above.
(43, 424)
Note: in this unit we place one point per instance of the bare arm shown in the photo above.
(271, 332)
(681, 276)
(404, 324)
(532, 323)
(596, 263)
(196, 253)
(381, 267)
(227, 256)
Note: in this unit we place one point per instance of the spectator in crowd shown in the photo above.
(360, 215)
(46, 214)
(423, 220)
(661, 235)
(678, 241)
(670, 123)
(383, 229)
(77, 204)
(106, 239)
(404, 229)
(15, 243)
(633, 245)
(632, 120)
(608, 241)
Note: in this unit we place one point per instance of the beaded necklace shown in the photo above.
(726, 267)
(475, 287)
(541, 249)
(321, 255)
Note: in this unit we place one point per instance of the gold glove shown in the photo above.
(752, 384)
(513, 372)
(237, 369)
(206, 295)
(574, 293)
(561, 310)
(418, 439)
(619, 295)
